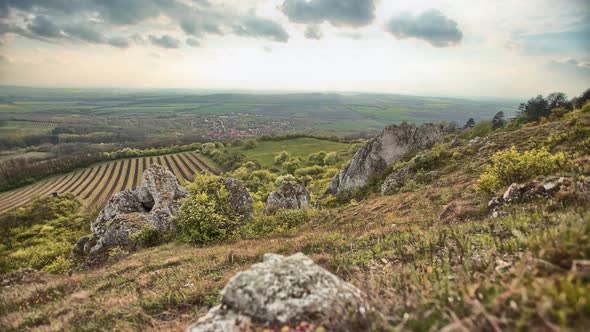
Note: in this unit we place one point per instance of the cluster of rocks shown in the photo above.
(284, 290)
(128, 212)
(550, 187)
(288, 195)
(392, 145)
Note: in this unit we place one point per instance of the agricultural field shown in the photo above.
(95, 185)
(25, 128)
(265, 151)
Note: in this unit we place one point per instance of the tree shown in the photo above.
(498, 120)
(250, 144)
(579, 102)
(533, 109)
(281, 157)
(469, 124)
(558, 99)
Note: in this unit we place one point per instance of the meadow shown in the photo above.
(265, 151)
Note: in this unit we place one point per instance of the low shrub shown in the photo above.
(281, 223)
(206, 216)
(510, 166)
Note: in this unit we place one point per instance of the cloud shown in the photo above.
(192, 42)
(59, 20)
(164, 41)
(313, 32)
(431, 26)
(261, 28)
(43, 27)
(119, 42)
(571, 67)
(351, 13)
(84, 33)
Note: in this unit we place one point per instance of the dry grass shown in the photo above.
(429, 260)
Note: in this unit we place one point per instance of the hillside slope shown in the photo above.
(429, 257)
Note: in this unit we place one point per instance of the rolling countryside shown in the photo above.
(95, 185)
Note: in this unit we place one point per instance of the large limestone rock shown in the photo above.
(283, 290)
(289, 195)
(128, 212)
(240, 199)
(392, 145)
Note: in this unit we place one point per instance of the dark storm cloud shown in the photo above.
(85, 33)
(192, 42)
(45, 28)
(352, 13)
(431, 26)
(313, 32)
(261, 28)
(119, 42)
(58, 20)
(165, 41)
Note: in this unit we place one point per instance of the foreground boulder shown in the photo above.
(285, 290)
(129, 212)
(289, 195)
(392, 145)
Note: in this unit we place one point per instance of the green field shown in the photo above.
(24, 128)
(265, 151)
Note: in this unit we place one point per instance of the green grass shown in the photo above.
(265, 151)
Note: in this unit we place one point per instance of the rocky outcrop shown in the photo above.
(392, 145)
(128, 212)
(240, 200)
(563, 188)
(288, 195)
(394, 181)
(283, 290)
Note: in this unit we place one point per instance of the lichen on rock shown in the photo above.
(283, 290)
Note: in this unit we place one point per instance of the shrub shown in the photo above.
(206, 216)
(147, 237)
(331, 158)
(281, 157)
(509, 166)
(280, 223)
(481, 129)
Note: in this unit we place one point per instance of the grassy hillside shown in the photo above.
(430, 257)
(265, 151)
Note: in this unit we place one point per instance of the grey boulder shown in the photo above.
(283, 290)
(128, 212)
(288, 195)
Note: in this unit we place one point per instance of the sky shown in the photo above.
(495, 48)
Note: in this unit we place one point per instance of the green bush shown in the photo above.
(510, 166)
(41, 234)
(281, 223)
(481, 129)
(281, 157)
(147, 237)
(206, 216)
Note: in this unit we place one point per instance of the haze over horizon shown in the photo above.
(444, 48)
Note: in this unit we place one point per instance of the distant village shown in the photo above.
(240, 125)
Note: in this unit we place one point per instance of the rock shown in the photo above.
(128, 212)
(475, 140)
(240, 199)
(394, 181)
(288, 195)
(392, 145)
(455, 143)
(283, 290)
